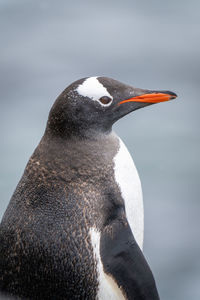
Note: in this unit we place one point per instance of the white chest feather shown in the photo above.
(126, 176)
(128, 180)
(108, 289)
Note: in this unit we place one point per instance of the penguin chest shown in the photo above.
(128, 180)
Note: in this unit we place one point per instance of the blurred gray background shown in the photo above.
(46, 45)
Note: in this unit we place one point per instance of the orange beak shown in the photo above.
(151, 98)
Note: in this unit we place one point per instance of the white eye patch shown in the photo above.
(93, 89)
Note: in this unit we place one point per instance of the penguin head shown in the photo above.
(92, 105)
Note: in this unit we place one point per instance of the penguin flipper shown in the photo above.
(124, 261)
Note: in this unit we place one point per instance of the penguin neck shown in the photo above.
(77, 133)
(67, 127)
(90, 145)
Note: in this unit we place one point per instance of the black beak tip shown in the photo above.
(171, 94)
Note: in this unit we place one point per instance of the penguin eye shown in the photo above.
(105, 100)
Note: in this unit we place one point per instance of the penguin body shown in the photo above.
(74, 226)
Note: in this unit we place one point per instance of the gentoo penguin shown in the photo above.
(74, 226)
